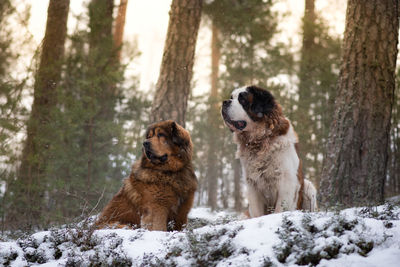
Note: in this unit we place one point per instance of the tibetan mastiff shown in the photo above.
(159, 192)
(267, 148)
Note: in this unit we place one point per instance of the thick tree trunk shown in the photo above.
(30, 185)
(355, 166)
(213, 115)
(173, 86)
(119, 27)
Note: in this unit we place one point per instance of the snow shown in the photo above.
(352, 237)
(378, 257)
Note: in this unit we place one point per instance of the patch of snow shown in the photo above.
(352, 237)
(206, 214)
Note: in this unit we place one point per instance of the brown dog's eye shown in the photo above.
(159, 135)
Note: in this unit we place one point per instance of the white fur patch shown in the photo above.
(309, 196)
(235, 110)
(273, 175)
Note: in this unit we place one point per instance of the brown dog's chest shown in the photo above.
(157, 194)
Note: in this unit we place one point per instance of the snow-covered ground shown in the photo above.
(352, 237)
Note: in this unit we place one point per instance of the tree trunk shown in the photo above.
(307, 76)
(356, 163)
(101, 98)
(212, 117)
(215, 59)
(119, 28)
(393, 183)
(173, 85)
(237, 185)
(29, 188)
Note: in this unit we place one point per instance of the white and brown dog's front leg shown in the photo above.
(256, 201)
(288, 194)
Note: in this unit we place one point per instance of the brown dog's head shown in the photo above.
(167, 146)
(253, 110)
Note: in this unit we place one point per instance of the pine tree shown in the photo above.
(10, 88)
(12, 112)
(213, 115)
(90, 145)
(91, 153)
(103, 99)
(30, 187)
(356, 164)
(317, 79)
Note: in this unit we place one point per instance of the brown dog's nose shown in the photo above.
(146, 144)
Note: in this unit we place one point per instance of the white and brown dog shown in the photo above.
(267, 148)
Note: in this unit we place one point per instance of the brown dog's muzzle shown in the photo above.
(151, 155)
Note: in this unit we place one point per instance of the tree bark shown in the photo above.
(356, 162)
(29, 186)
(173, 85)
(307, 76)
(237, 170)
(212, 117)
(393, 184)
(119, 28)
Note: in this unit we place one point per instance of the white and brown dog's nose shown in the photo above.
(226, 103)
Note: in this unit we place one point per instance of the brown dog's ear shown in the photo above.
(178, 137)
(174, 128)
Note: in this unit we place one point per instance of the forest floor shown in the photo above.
(352, 237)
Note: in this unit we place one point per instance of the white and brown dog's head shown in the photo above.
(254, 110)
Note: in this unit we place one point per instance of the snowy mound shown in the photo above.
(353, 237)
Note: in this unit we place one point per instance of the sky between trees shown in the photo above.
(149, 32)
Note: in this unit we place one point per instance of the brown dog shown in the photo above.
(159, 192)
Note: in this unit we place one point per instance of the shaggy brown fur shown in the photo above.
(159, 192)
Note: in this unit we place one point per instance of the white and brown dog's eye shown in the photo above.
(242, 99)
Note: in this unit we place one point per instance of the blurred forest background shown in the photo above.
(72, 121)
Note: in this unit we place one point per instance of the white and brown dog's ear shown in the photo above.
(262, 102)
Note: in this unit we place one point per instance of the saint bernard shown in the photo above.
(267, 148)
